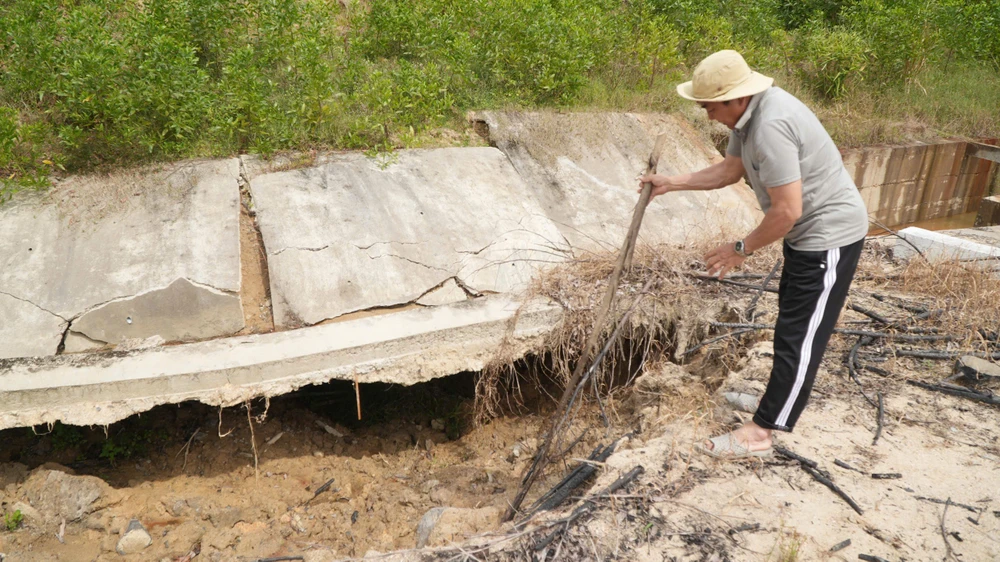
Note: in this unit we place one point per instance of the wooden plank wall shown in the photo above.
(907, 184)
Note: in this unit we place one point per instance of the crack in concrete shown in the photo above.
(301, 249)
(469, 292)
(15, 297)
(368, 247)
(432, 267)
(477, 252)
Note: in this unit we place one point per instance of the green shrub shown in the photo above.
(901, 34)
(828, 59)
(103, 83)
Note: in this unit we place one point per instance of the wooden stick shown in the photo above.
(788, 454)
(836, 489)
(357, 395)
(944, 535)
(840, 545)
(943, 502)
(869, 313)
(881, 418)
(623, 481)
(753, 302)
(719, 338)
(937, 354)
(971, 395)
(554, 425)
(644, 197)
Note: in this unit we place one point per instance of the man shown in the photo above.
(808, 198)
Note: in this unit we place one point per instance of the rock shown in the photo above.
(453, 524)
(226, 517)
(135, 539)
(974, 368)
(58, 495)
(299, 524)
(427, 524)
(441, 495)
(437, 424)
(178, 507)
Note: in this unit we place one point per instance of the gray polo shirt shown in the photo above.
(780, 140)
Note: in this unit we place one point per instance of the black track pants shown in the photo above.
(812, 291)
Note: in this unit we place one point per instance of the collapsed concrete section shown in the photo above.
(406, 348)
(99, 260)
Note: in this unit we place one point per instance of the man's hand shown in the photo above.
(722, 259)
(661, 184)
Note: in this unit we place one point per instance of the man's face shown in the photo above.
(726, 112)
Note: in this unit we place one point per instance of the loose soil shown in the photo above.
(255, 289)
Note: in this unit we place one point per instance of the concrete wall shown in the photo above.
(907, 184)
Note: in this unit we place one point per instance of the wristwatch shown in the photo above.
(740, 248)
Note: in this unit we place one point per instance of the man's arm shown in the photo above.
(786, 208)
(716, 176)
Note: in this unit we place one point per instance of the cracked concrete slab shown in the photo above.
(582, 168)
(26, 330)
(90, 241)
(353, 233)
(406, 347)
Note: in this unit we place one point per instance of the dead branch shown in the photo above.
(986, 397)
(836, 489)
(795, 457)
(748, 314)
(943, 502)
(718, 338)
(881, 418)
(821, 476)
(588, 504)
(944, 534)
(840, 545)
(552, 428)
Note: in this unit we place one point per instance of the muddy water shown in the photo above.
(964, 220)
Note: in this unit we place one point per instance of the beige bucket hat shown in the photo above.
(723, 76)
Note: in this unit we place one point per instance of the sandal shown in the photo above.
(727, 447)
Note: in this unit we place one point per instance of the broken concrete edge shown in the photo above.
(405, 348)
(938, 247)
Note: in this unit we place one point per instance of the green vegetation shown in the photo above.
(92, 85)
(130, 443)
(13, 521)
